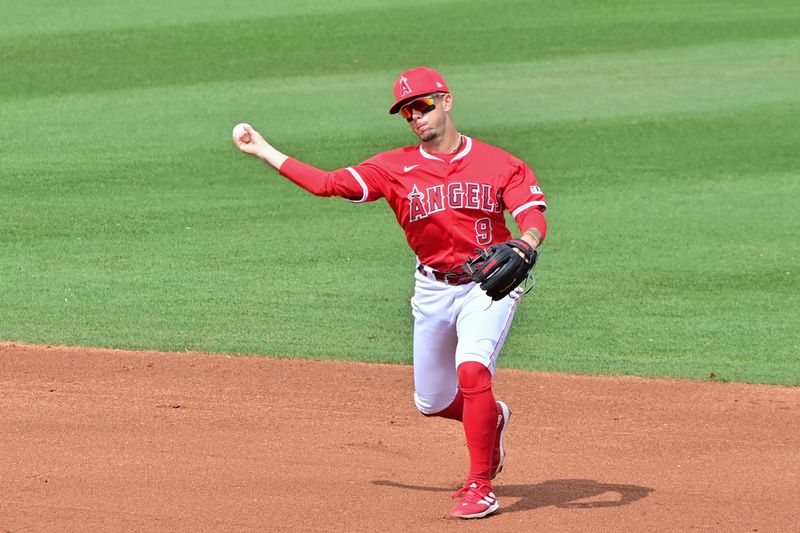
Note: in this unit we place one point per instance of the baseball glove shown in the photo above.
(500, 269)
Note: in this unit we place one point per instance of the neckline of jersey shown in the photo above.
(459, 155)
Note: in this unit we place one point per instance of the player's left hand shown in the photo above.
(503, 267)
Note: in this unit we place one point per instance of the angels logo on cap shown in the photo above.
(416, 82)
(404, 88)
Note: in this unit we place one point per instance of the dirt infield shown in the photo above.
(97, 440)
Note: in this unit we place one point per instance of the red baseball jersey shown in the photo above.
(448, 205)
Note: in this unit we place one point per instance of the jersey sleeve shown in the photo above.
(358, 183)
(369, 177)
(523, 197)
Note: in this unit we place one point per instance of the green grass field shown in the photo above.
(664, 133)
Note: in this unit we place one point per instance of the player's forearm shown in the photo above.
(309, 177)
(534, 227)
(273, 157)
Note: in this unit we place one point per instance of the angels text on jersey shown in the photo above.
(455, 195)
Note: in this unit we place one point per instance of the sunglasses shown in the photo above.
(422, 105)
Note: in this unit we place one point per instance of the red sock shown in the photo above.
(455, 410)
(480, 418)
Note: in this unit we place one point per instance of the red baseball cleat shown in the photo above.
(499, 455)
(476, 500)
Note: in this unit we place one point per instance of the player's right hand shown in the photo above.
(248, 140)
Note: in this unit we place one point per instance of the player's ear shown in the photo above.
(447, 102)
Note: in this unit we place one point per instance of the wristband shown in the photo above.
(532, 234)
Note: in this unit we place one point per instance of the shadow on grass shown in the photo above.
(562, 493)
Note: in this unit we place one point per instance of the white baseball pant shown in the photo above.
(454, 324)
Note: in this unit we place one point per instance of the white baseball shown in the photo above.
(240, 134)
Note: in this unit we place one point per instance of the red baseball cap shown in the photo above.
(416, 82)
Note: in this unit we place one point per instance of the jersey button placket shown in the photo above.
(450, 171)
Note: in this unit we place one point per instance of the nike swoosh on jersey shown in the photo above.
(409, 168)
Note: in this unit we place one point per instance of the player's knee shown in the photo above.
(454, 410)
(429, 412)
(473, 378)
(425, 405)
(422, 408)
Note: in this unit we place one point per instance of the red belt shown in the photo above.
(450, 278)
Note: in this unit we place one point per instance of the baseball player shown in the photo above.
(449, 193)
